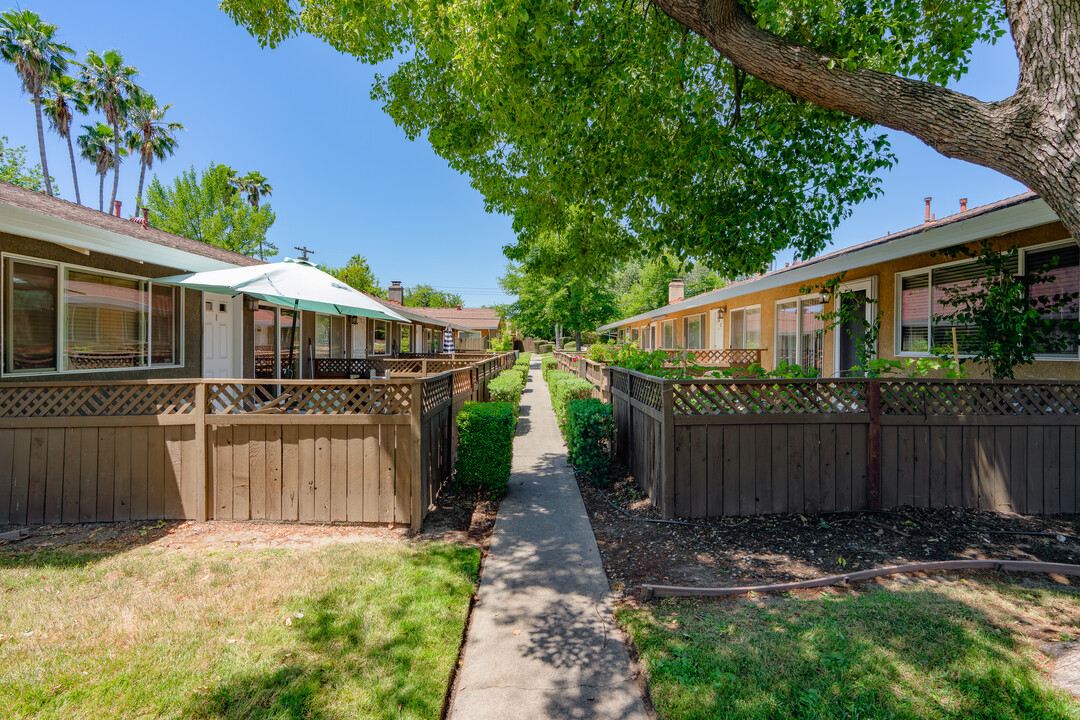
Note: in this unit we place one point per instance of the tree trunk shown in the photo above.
(558, 336)
(138, 198)
(577, 339)
(116, 165)
(41, 144)
(74, 172)
(1032, 136)
(101, 193)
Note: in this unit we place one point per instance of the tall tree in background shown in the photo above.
(254, 185)
(109, 86)
(642, 285)
(29, 44)
(356, 273)
(14, 169)
(151, 136)
(575, 301)
(426, 296)
(62, 99)
(97, 144)
(720, 129)
(204, 206)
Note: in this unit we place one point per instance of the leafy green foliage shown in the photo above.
(1010, 327)
(502, 343)
(485, 445)
(642, 285)
(565, 387)
(14, 168)
(547, 365)
(357, 274)
(426, 296)
(589, 433)
(507, 387)
(205, 207)
(544, 348)
(616, 128)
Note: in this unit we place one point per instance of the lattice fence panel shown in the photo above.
(620, 381)
(979, 398)
(388, 398)
(97, 400)
(741, 398)
(731, 356)
(344, 368)
(645, 391)
(435, 392)
(462, 382)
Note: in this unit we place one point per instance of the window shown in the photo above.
(30, 294)
(165, 314)
(800, 336)
(322, 336)
(406, 334)
(635, 337)
(290, 336)
(378, 347)
(692, 332)
(429, 342)
(1063, 263)
(667, 334)
(265, 319)
(746, 328)
(915, 313)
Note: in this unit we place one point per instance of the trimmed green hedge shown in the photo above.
(485, 445)
(507, 387)
(547, 365)
(589, 432)
(544, 348)
(565, 387)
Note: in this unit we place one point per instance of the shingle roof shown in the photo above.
(26, 199)
(473, 318)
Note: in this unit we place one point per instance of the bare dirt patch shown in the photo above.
(785, 548)
(461, 516)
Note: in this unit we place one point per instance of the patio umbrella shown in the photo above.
(294, 282)
(448, 340)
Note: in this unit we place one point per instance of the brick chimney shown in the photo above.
(927, 201)
(395, 292)
(116, 208)
(676, 290)
(963, 204)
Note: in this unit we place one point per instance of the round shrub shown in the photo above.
(589, 432)
(485, 445)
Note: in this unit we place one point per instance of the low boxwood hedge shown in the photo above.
(546, 366)
(485, 445)
(507, 387)
(565, 387)
(589, 432)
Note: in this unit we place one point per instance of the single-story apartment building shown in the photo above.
(901, 275)
(479, 326)
(80, 301)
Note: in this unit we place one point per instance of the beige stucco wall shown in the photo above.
(884, 274)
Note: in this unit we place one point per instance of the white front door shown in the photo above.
(218, 354)
(718, 330)
(359, 338)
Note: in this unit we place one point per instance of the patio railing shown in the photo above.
(292, 450)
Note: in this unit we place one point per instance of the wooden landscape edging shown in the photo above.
(743, 447)
(288, 450)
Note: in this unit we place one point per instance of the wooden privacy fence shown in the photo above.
(293, 450)
(711, 448)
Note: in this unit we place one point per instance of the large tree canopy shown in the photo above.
(628, 125)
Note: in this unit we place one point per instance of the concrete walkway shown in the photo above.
(542, 643)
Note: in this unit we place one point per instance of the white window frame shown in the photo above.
(731, 325)
(929, 270)
(61, 289)
(388, 329)
(674, 334)
(718, 335)
(798, 300)
(702, 344)
(869, 285)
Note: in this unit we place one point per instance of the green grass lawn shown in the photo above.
(349, 631)
(948, 650)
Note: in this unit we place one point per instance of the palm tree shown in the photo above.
(28, 43)
(109, 87)
(61, 101)
(151, 136)
(255, 185)
(98, 145)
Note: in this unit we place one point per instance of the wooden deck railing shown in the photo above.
(336, 450)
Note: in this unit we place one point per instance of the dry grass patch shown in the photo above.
(925, 649)
(358, 631)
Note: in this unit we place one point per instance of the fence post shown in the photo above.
(417, 481)
(667, 473)
(873, 450)
(204, 469)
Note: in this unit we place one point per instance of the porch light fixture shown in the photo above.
(251, 303)
(354, 320)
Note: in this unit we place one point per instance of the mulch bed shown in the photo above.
(461, 515)
(784, 548)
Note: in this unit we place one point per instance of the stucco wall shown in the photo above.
(885, 277)
(192, 325)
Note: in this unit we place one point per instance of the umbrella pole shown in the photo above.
(292, 335)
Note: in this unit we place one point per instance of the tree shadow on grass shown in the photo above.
(342, 651)
(79, 545)
(869, 654)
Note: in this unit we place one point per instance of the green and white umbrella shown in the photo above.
(293, 283)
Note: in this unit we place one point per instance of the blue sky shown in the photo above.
(346, 180)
